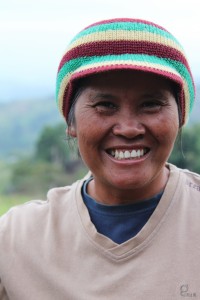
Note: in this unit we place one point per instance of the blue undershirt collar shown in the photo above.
(119, 222)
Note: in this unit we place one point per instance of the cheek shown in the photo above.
(89, 125)
(88, 133)
(166, 126)
(167, 131)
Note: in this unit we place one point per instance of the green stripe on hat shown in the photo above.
(129, 26)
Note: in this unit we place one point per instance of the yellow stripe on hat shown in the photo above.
(123, 35)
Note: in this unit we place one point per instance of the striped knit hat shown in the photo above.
(124, 44)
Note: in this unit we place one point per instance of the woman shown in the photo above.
(128, 230)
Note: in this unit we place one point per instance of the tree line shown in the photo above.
(54, 162)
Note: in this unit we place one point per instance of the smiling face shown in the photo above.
(126, 123)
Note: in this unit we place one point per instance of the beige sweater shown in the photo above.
(50, 250)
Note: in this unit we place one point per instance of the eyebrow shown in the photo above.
(105, 96)
(158, 95)
(146, 95)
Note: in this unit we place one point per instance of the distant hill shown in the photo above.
(22, 121)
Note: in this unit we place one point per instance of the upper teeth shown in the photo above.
(118, 154)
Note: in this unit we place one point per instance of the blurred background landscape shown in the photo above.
(35, 154)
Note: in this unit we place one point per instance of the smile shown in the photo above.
(128, 154)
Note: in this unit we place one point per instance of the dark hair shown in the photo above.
(176, 93)
(71, 116)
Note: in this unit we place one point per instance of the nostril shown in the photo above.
(129, 130)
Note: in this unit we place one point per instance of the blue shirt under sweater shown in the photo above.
(119, 222)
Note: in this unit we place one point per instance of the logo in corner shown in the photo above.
(185, 292)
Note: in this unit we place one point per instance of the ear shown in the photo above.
(71, 131)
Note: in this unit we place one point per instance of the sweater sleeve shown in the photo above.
(3, 294)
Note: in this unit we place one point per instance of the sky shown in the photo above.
(35, 33)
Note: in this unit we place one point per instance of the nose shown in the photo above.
(129, 126)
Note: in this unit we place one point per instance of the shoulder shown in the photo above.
(190, 181)
(37, 213)
(38, 226)
(183, 172)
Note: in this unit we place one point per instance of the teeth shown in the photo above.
(127, 154)
(133, 153)
(121, 155)
(113, 153)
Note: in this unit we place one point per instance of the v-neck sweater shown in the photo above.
(51, 250)
(119, 222)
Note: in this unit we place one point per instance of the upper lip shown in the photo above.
(127, 147)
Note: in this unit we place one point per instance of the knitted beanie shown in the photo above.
(118, 44)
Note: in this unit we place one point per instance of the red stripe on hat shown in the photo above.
(102, 48)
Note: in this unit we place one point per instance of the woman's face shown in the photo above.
(126, 123)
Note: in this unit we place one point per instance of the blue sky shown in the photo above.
(35, 33)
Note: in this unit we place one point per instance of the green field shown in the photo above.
(7, 202)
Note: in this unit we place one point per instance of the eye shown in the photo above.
(152, 105)
(105, 106)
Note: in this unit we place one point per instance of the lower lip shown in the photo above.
(129, 161)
